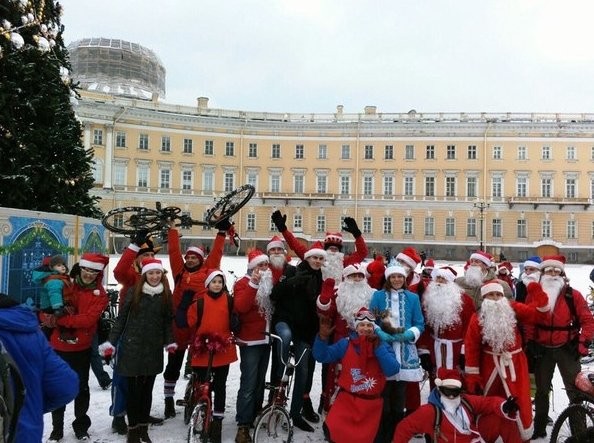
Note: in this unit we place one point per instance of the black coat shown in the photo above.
(142, 333)
(295, 301)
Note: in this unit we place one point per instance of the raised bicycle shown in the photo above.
(576, 422)
(273, 423)
(132, 219)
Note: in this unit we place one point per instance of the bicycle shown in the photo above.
(576, 422)
(132, 219)
(109, 315)
(274, 423)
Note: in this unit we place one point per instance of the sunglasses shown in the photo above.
(450, 392)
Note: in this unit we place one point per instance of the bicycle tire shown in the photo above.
(273, 424)
(134, 218)
(198, 430)
(564, 431)
(189, 401)
(229, 204)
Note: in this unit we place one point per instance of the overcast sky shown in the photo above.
(311, 55)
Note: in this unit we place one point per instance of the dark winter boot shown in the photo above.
(216, 430)
(133, 435)
(119, 425)
(144, 437)
(56, 435)
(243, 435)
(169, 407)
(308, 413)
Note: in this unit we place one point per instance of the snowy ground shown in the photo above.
(174, 430)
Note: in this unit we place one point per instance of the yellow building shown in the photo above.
(444, 183)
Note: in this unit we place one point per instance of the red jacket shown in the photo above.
(126, 272)
(251, 321)
(300, 249)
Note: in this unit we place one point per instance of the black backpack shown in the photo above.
(12, 396)
(438, 413)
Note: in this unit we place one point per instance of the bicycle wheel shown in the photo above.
(229, 204)
(131, 219)
(198, 432)
(574, 424)
(189, 402)
(273, 425)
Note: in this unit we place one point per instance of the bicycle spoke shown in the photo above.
(273, 425)
(574, 424)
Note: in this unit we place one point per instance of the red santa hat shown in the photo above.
(364, 315)
(430, 264)
(445, 272)
(148, 264)
(275, 242)
(212, 273)
(396, 269)
(255, 257)
(357, 268)
(316, 249)
(553, 261)
(196, 250)
(491, 286)
(505, 268)
(484, 257)
(94, 261)
(448, 377)
(409, 256)
(333, 239)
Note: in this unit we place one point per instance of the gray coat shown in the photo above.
(142, 333)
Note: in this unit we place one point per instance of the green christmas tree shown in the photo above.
(43, 164)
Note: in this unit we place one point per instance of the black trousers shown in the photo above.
(219, 386)
(80, 362)
(140, 399)
(394, 396)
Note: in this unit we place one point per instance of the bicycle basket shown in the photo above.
(583, 382)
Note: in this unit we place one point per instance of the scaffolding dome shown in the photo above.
(117, 67)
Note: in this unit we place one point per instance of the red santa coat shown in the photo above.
(422, 421)
(194, 281)
(252, 322)
(126, 272)
(300, 249)
(445, 347)
(503, 374)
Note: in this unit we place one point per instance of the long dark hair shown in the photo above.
(166, 297)
(388, 285)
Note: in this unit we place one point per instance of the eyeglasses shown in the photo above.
(90, 271)
(450, 392)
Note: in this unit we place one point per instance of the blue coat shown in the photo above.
(49, 381)
(413, 316)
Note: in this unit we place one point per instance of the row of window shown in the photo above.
(299, 152)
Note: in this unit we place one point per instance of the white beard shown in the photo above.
(350, 297)
(443, 305)
(263, 295)
(277, 261)
(474, 276)
(527, 279)
(451, 404)
(498, 320)
(552, 285)
(333, 266)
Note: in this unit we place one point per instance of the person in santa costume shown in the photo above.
(403, 320)
(375, 272)
(559, 339)
(530, 273)
(495, 361)
(459, 415)
(340, 305)
(277, 256)
(480, 269)
(447, 311)
(366, 362)
(504, 272)
(252, 303)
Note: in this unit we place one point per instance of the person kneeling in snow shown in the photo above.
(450, 416)
(366, 361)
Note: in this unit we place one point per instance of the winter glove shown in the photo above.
(474, 385)
(536, 296)
(374, 340)
(139, 237)
(279, 220)
(404, 336)
(462, 362)
(327, 292)
(350, 225)
(384, 336)
(426, 362)
(49, 321)
(510, 406)
(326, 328)
(106, 350)
(223, 225)
(171, 348)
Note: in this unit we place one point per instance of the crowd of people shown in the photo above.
(377, 328)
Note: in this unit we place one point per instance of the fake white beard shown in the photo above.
(552, 285)
(277, 261)
(263, 294)
(333, 266)
(498, 320)
(451, 404)
(474, 276)
(350, 297)
(443, 305)
(527, 279)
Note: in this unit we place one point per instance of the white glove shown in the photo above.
(106, 349)
(171, 348)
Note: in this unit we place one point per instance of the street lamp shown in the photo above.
(481, 207)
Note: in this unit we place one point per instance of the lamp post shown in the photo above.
(481, 207)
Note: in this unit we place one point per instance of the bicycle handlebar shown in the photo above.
(280, 340)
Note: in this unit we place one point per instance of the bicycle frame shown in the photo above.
(203, 404)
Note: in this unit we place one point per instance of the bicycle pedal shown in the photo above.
(180, 402)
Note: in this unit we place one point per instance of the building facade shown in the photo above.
(445, 183)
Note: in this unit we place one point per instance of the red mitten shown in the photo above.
(327, 291)
(474, 384)
(536, 295)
